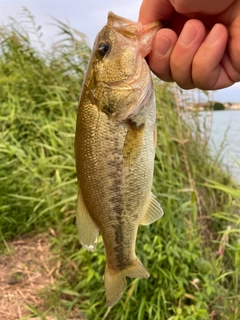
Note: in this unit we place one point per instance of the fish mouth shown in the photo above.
(135, 30)
(117, 22)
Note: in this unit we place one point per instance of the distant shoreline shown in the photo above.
(212, 106)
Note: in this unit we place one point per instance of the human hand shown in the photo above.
(200, 48)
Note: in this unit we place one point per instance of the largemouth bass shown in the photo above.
(115, 147)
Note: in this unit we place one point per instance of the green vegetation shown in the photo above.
(207, 106)
(215, 106)
(192, 253)
(218, 106)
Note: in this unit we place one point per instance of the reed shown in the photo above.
(192, 253)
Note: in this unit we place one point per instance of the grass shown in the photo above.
(192, 253)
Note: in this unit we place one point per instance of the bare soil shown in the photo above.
(26, 269)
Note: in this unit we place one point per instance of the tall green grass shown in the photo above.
(192, 253)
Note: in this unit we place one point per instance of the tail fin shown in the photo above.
(115, 284)
(115, 281)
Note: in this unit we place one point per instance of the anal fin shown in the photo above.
(154, 211)
(87, 230)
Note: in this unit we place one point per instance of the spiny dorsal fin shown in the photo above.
(154, 211)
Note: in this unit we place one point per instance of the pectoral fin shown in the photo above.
(154, 211)
(87, 230)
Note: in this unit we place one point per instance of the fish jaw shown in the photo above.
(128, 28)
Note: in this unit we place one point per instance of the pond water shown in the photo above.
(225, 136)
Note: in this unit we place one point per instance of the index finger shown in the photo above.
(153, 10)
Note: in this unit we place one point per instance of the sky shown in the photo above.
(87, 16)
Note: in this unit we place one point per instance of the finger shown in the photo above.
(159, 57)
(189, 41)
(208, 71)
(232, 72)
(154, 10)
(230, 61)
(212, 7)
(234, 44)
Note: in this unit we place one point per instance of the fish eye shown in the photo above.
(103, 48)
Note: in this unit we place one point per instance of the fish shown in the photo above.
(115, 145)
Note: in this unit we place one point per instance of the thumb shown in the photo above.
(154, 10)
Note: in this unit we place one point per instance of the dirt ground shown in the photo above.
(26, 268)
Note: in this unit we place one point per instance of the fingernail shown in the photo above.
(187, 35)
(214, 35)
(162, 46)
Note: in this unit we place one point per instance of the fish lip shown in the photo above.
(118, 21)
(135, 30)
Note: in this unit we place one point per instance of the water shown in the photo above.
(226, 127)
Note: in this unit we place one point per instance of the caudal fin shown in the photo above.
(115, 281)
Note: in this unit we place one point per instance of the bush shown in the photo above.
(215, 106)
